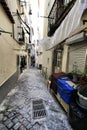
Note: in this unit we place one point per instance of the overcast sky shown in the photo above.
(37, 22)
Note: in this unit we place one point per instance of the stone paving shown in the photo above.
(16, 109)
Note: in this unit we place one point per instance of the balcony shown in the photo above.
(58, 13)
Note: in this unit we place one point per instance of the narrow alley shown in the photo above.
(30, 95)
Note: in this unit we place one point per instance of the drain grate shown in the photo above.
(38, 109)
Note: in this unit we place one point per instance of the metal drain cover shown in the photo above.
(38, 109)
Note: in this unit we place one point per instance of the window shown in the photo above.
(57, 58)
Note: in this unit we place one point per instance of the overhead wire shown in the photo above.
(3, 31)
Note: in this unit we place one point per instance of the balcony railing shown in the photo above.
(58, 12)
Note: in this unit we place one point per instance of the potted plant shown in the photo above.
(83, 77)
(76, 72)
(82, 93)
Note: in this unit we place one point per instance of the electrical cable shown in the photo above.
(3, 31)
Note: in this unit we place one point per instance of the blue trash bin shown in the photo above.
(64, 89)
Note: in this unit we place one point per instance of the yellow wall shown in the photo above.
(4, 21)
(9, 49)
(7, 58)
(7, 55)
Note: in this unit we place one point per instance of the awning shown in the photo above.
(70, 24)
(76, 38)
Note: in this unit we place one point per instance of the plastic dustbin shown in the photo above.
(65, 90)
(82, 100)
(82, 94)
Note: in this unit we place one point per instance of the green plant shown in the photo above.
(84, 74)
(75, 69)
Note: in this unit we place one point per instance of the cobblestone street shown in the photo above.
(17, 111)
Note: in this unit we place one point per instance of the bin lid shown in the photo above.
(66, 83)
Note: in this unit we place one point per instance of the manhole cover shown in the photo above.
(38, 109)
